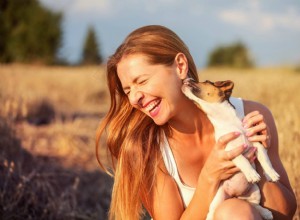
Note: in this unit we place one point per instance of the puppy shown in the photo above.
(213, 99)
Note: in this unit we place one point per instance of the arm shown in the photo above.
(165, 197)
(279, 196)
(167, 202)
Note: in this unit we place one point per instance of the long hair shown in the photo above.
(133, 139)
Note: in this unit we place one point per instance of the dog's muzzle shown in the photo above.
(190, 82)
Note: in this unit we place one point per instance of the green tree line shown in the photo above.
(31, 33)
(28, 32)
(90, 50)
(232, 55)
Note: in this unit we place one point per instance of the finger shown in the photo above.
(230, 172)
(225, 139)
(266, 142)
(264, 139)
(259, 128)
(231, 154)
(249, 122)
(250, 115)
(233, 170)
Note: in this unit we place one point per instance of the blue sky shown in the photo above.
(270, 28)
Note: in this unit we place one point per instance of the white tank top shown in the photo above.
(187, 192)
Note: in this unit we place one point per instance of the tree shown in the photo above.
(29, 32)
(234, 55)
(90, 52)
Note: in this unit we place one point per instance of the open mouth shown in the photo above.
(153, 107)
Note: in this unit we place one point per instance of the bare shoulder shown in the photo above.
(281, 190)
(166, 200)
(250, 106)
(273, 150)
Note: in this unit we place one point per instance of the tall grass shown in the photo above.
(49, 116)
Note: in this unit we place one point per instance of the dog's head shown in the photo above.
(209, 91)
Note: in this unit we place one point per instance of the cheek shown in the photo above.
(165, 86)
(173, 90)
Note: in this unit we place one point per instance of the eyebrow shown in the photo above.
(134, 81)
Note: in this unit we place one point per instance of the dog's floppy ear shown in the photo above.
(226, 87)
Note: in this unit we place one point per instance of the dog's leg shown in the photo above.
(218, 199)
(265, 162)
(253, 196)
(251, 174)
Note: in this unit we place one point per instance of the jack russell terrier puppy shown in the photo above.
(213, 99)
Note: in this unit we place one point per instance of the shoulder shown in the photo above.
(250, 106)
(165, 199)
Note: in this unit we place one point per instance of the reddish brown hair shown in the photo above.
(133, 139)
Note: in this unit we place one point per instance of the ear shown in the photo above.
(181, 65)
(226, 87)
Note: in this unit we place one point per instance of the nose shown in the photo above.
(135, 98)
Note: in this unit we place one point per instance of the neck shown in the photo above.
(191, 124)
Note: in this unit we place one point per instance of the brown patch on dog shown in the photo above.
(213, 91)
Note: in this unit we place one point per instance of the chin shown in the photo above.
(158, 122)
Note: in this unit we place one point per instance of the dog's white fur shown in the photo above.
(225, 120)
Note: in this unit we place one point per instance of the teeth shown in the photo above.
(152, 105)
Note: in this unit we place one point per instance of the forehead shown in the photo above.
(131, 66)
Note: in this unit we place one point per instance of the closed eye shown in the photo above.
(142, 82)
(127, 92)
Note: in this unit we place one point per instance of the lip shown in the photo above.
(152, 107)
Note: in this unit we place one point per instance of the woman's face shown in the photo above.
(153, 89)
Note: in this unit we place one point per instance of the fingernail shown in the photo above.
(245, 146)
(251, 139)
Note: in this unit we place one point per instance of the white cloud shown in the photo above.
(91, 6)
(255, 18)
(86, 7)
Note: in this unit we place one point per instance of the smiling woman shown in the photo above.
(152, 89)
(163, 161)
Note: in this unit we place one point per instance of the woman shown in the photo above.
(150, 121)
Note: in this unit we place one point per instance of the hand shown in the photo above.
(219, 165)
(257, 130)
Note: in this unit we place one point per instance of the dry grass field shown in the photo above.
(48, 119)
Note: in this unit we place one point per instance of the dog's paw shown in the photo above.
(271, 175)
(252, 176)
